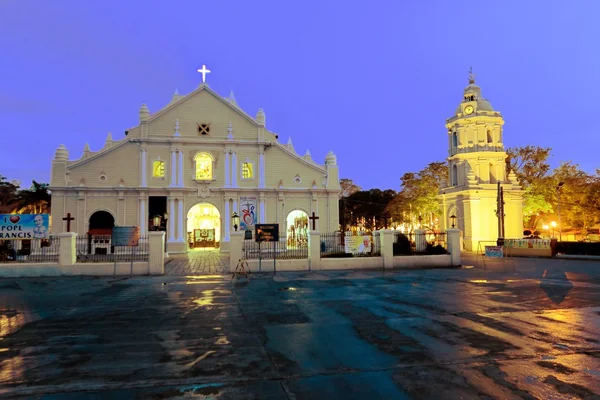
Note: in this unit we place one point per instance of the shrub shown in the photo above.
(402, 246)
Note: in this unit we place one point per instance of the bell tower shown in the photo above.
(476, 164)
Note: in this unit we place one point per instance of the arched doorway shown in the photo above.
(101, 223)
(297, 229)
(203, 226)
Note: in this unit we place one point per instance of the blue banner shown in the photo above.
(24, 226)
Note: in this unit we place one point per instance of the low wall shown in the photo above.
(351, 263)
(521, 252)
(423, 261)
(53, 269)
(280, 265)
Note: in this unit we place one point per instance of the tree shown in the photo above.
(367, 208)
(348, 187)
(8, 194)
(35, 200)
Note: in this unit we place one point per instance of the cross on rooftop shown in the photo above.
(204, 71)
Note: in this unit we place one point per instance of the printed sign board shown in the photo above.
(357, 244)
(267, 232)
(248, 213)
(527, 243)
(24, 226)
(247, 235)
(494, 251)
(125, 235)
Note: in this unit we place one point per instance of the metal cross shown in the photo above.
(314, 219)
(204, 71)
(68, 218)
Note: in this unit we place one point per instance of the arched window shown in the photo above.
(454, 175)
(489, 136)
(204, 166)
(454, 139)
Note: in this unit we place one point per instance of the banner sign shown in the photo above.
(494, 251)
(248, 213)
(125, 235)
(358, 244)
(527, 243)
(24, 226)
(267, 232)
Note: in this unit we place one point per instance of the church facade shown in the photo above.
(187, 169)
(476, 171)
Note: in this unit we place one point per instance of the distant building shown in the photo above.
(476, 164)
(196, 162)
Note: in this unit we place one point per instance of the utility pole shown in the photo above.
(500, 211)
(558, 189)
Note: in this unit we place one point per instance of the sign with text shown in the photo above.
(527, 243)
(267, 232)
(248, 211)
(494, 251)
(24, 226)
(125, 235)
(357, 244)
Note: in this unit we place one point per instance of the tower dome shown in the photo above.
(62, 154)
(473, 93)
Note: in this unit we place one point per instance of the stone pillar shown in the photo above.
(386, 241)
(235, 249)
(261, 207)
(227, 174)
(314, 251)
(143, 216)
(261, 169)
(453, 239)
(156, 258)
(143, 167)
(180, 177)
(226, 220)
(67, 252)
(180, 221)
(420, 240)
(234, 170)
(171, 221)
(173, 168)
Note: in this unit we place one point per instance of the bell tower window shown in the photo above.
(454, 139)
(489, 136)
(454, 176)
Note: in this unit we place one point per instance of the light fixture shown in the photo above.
(236, 219)
(453, 218)
(156, 220)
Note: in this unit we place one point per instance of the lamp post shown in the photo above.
(558, 189)
(166, 218)
(453, 218)
(156, 221)
(236, 219)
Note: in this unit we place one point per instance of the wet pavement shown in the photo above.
(197, 262)
(469, 333)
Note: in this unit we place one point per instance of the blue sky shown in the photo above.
(372, 81)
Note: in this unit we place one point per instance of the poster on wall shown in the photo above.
(358, 244)
(247, 213)
(125, 235)
(24, 226)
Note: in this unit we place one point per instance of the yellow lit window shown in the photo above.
(158, 169)
(204, 166)
(247, 170)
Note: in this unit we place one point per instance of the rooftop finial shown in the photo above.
(471, 76)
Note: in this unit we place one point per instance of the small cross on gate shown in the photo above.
(68, 218)
(314, 219)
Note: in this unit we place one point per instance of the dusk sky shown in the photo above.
(372, 81)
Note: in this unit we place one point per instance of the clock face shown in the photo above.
(468, 109)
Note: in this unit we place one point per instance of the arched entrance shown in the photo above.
(203, 226)
(101, 223)
(297, 229)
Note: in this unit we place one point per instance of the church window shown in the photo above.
(158, 169)
(204, 166)
(454, 175)
(454, 139)
(203, 129)
(247, 170)
(492, 175)
(489, 136)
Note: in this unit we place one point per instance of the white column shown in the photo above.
(181, 169)
(143, 217)
(180, 222)
(227, 175)
(226, 221)
(173, 169)
(171, 220)
(261, 206)
(143, 167)
(234, 169)
(261, 170)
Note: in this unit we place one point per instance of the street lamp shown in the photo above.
(156, 220)
(453, 218)
(236, 219)
(558, 189)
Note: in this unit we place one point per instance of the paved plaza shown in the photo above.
(197, 262)
(469, 333)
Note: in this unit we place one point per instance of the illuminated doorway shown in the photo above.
(297, 229)
(203, 227)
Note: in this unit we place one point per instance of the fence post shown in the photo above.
(453, 236)
(314, 251)
(67, 251)
(386, 240)
(420, 239)
(235, 249)
(156, 250)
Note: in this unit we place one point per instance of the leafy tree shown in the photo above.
(348, 187)
(367, 208)
(35, 200)
(8, 194)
